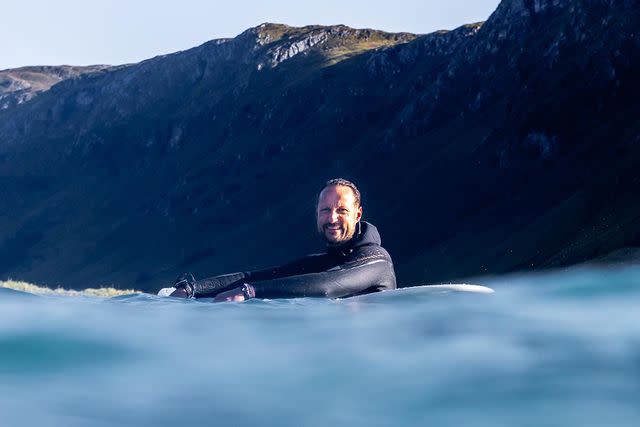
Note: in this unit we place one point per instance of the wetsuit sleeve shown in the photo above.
(371, 270)
(212, 286)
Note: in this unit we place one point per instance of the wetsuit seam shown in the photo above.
(365, 259)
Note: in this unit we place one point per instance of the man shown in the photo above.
(354, 262)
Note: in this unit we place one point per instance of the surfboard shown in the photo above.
(455, 287)
(424, 291)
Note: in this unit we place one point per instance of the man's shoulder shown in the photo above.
(370, 251)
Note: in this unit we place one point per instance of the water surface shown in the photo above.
(553, 349)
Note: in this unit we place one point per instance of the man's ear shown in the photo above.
(359, 214)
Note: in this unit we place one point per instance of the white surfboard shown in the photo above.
(440, 289)
(456, 287)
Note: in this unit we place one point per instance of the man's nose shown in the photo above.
(334, 216)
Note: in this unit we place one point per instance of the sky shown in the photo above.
(84, 32)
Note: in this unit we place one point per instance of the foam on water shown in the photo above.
(558, 348)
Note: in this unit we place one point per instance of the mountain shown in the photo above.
(494, 147)
(22, 84)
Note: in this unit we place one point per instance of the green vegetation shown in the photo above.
(343, 42)
(340, 53)
(89, 292)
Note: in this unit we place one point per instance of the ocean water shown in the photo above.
(552, 349)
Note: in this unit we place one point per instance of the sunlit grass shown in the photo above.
(341, 53)
(91, 292)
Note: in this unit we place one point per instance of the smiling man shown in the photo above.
(354, 263)
(338, 212)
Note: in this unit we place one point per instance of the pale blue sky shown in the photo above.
(82, 32)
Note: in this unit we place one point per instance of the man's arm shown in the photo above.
(372, 272)
(212, 286)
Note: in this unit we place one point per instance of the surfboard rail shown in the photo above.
(457, 287)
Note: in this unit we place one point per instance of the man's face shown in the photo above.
(337, 214)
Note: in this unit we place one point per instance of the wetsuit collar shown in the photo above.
(365, 234)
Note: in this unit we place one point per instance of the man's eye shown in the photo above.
(343, 210)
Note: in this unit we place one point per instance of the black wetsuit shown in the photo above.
(360, 266)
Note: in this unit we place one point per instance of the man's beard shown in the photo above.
(346, 235)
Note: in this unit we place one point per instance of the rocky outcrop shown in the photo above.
(22, 84)
(281, 42)
(492, 147)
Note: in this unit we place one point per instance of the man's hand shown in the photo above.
(180, 293)
(184, 285)
(239, 294)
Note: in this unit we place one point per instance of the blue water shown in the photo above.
(553, 349)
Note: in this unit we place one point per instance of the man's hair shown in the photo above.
(343, 182)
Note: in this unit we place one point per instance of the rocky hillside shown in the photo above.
(493, 147)
(22, 84)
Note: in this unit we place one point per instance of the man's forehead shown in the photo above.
(336, 194)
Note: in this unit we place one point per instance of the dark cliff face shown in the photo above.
(489, 148)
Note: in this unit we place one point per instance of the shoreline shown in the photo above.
(88, 292)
